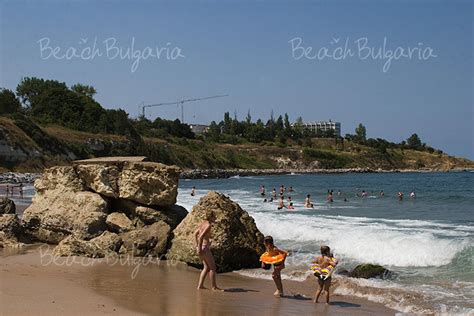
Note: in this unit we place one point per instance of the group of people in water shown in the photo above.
(12, 189)
(322, 265)
(308, 202)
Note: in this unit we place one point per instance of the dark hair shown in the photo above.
(325, 251)
(308, 195)
(268, 240)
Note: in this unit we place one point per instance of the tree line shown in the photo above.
(53, 102)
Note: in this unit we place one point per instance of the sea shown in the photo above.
(427, 241)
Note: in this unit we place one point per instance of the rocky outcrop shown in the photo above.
(236, 241)
(149, 183)
(150, 240)
(119, 223)
(7, 206)
(10, 231)
(367, 271)
(106, 207)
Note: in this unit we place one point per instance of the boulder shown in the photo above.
(119, 223)
(150, 240)
(100, 178)
(236, 241)
(7, 206)
(9, 242)
(149, 183)
(367, 271)
(107, 241)
(61, 207)
(145, 215)
(74, 246)
(10, 225)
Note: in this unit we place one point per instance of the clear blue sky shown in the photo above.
(242, 49)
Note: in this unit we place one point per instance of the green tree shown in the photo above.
(30, 88)
(360, 133)
(84, 90)
(8, 102)
(414, 142)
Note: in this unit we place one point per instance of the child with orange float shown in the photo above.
(277, 257)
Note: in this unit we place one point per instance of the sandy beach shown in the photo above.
(31, 284)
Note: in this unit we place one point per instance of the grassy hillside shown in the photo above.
(31, 148)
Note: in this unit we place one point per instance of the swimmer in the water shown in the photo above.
(193, 191)
(262, 190)
(400, 196)
(307, 202)
(281, 204)
(291, 207)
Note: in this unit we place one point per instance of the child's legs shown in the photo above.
(320, 289)
(277, 278)
(327, 284)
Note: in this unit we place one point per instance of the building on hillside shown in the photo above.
(322, 126)
(199, 129)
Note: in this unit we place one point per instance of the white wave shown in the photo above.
(363, 242)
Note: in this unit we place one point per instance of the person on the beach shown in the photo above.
(325, 260)
(281, 204)
(307, 202)
(202, 237)
(193, 191)
(276, 275)
(262, 190)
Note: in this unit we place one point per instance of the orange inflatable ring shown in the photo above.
(266, 258)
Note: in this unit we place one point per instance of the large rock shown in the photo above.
(100, 178)
(145, 215)
(149, 183)
(367, 271)
(74, 246)
(150, 240)
(10, 225)
(107, 241)
(119, 223)
(11, 231)
(7, 206)
(61, 207)
(236, 241)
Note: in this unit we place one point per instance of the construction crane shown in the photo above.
(180, 103)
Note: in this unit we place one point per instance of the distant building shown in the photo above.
(322, 126)
(199, 129)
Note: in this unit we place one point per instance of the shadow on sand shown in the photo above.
(238, 290)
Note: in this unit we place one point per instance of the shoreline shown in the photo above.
(160, 288)
(29, 177)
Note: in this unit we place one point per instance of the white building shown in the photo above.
(198, 128)
(322, 126)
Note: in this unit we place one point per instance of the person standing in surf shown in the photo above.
(325, 261)
(272, 250)
(202, 237)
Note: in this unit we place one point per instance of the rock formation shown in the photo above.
(236, 241)
(7, 206)
(103, 207)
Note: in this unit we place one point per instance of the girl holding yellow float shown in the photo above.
(277, 257)
(323, 267)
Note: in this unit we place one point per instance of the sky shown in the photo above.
(316, 59)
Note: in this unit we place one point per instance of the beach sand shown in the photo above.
(31, 284)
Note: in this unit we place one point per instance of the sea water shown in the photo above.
(427, 242)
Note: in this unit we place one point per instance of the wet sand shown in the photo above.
(31, 285)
